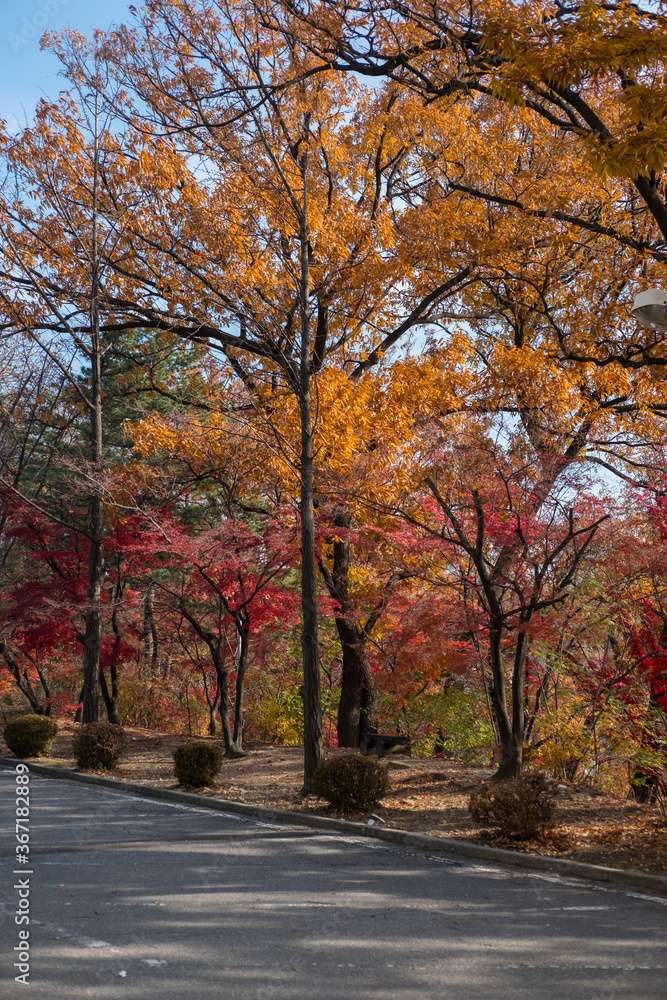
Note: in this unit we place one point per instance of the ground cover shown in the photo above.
(427, 795)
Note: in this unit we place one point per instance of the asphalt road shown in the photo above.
(132, 897)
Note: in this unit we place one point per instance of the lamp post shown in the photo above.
(650, 308)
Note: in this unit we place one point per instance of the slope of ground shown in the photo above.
(427, 795)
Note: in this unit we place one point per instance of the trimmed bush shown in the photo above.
(30, 735)
(351, 783)
(197, 763)
(522, 808)
(98, 745)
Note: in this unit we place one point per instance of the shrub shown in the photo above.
(197, 763)
(98, 745)
(522, 807)
(351, 783)
(460, 728)
(30, 735)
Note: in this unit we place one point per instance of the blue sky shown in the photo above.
(26, 74)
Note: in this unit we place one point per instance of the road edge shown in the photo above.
(535, 862)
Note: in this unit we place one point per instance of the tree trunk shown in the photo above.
(150, 631)
(511, 764)
(110, 697)
(242, 635)
(368, 721)
(45, 687)
(351, 689)
(511, 761)
(211, 702)
(93, 619)
(357, 709)
(212, 709)
(93, 631)
(313, 743)
(223, 702)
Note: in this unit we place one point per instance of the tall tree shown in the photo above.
(51, 276)
(523, 554)
(263, 230)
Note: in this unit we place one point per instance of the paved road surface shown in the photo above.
(136, 898)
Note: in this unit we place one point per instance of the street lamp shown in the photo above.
(650, 308)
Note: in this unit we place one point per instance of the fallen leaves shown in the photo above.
(430, 798)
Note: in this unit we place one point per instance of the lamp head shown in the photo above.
(650, 308)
